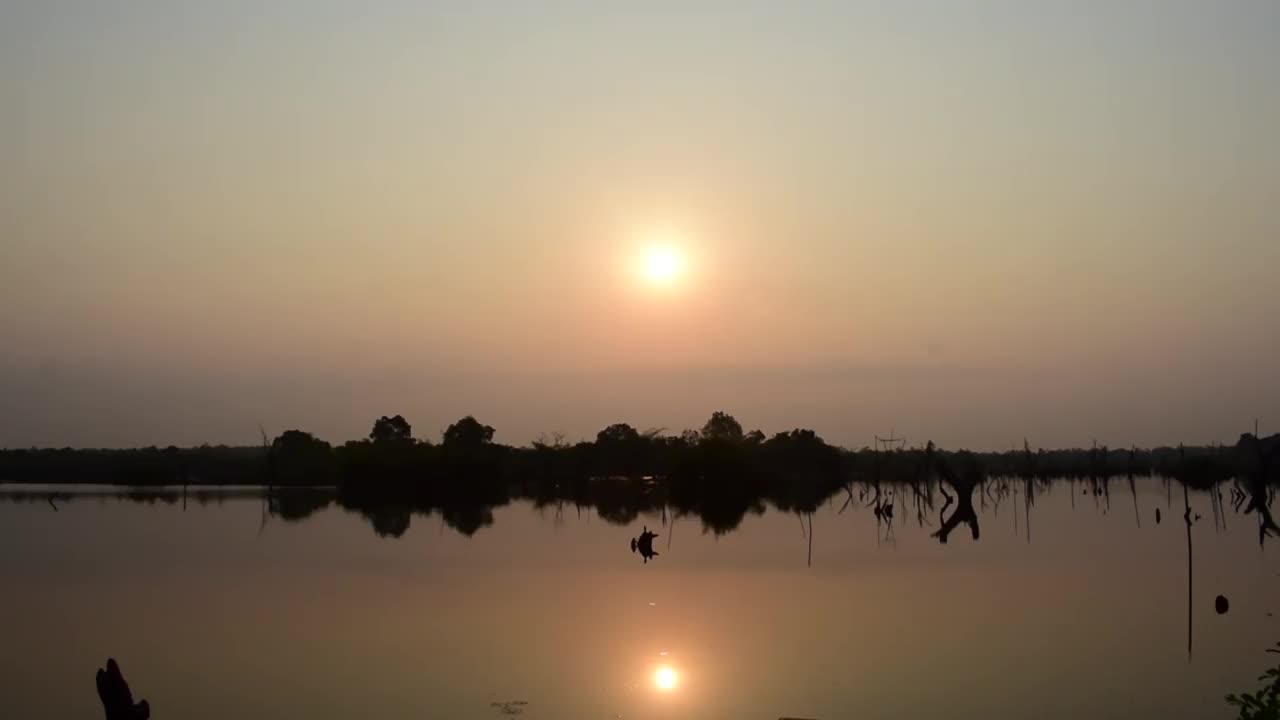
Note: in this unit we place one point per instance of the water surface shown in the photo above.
(1073, 606)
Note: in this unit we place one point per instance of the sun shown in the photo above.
(665, 678)
(662, 264)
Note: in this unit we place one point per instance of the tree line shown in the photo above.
(391, 460)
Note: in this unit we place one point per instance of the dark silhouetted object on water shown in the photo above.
(1264, 454)
(117, 701)
(644, 544)
(964, 482)
(1221, 605)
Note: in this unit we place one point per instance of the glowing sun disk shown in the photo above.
(665, 678)
(662, 264)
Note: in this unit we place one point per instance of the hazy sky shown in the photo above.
(971, 222)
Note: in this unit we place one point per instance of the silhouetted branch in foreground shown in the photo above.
(1263, 703)
(117, 701)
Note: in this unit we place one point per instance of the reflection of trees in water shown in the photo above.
(300, 504)
(952, 492)
(389, 522)
(467, 519)
(944, 497)
(391, 517)
(792, 472)
(720, 503)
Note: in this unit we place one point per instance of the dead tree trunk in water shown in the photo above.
(963, 481)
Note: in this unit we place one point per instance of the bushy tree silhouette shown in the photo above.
(391, 429)
(468, 433)
(617, 433)
(722, 426)
(300, 458)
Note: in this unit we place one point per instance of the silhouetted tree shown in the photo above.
(803, 468)
(299, 458)
(620, 449)
(391, 429)
(755, 437)
(294, 441)
(617, 433)
(722, 426)
(468, 433)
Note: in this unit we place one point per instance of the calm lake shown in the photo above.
(1073, 606)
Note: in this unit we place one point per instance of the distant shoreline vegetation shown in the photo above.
(719, 474)
(391, 459)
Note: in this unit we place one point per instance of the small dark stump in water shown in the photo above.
(644, 545)
(1221, 605)
(1157, 516)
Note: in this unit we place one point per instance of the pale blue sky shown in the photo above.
(419, 204)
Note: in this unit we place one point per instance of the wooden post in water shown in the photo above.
(1133, 491)
(1030, 499)
(1186, 516)
(810, 539)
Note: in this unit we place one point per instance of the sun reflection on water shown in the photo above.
(665, 678)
